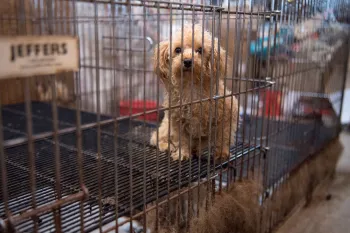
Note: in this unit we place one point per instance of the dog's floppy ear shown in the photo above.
(161, 65)
(219, 60)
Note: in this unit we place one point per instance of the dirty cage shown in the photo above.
(83, 161)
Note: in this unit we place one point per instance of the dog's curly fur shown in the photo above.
(182, 86)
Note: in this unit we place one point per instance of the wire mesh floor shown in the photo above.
(130, 167)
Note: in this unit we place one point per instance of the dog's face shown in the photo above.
(192, 49)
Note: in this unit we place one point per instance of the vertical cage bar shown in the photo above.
(98, 106)
(189, 192)
(158, 101)
(236, 68)
(114, 113)
(78, 103)
(201, 112)
(241, 80)
(228, 15)
(144, 120)
(247, 92)
(170, 122)
(182, 145)
(130, 112)
(22, 29)
(53, 79)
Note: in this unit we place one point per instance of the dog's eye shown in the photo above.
(199, 50)
(178, 50)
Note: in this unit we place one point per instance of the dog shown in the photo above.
(191, 77)
(63, 96)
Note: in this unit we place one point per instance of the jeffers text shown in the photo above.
(27, 50)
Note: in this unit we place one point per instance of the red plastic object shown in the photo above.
(273, 103)
(138, 106)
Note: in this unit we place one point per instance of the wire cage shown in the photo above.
(75, 147)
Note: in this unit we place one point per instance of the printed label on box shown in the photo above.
(25, 56)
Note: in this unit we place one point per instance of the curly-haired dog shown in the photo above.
(44, 91)
(200, 120)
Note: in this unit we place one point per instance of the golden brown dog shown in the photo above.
(201, 108)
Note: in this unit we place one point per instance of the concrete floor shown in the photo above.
(327, 216)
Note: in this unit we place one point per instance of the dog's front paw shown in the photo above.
(166, 146)
(153, 140)
(222, 154)
(163, 145)
(184, 155)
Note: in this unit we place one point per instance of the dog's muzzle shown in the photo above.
(187, 63)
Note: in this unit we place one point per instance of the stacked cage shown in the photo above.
(76, 148)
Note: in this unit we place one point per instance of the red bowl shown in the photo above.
(139, 106)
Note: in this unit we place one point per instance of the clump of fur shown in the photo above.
(173, 216)
(236, 210)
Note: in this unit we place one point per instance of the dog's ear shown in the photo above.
(219, 54)
(161, 64)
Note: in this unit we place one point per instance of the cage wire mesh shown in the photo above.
(75, 147)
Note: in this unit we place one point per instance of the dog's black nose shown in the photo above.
(188, 63)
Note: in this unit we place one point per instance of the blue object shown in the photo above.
(262, 46)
